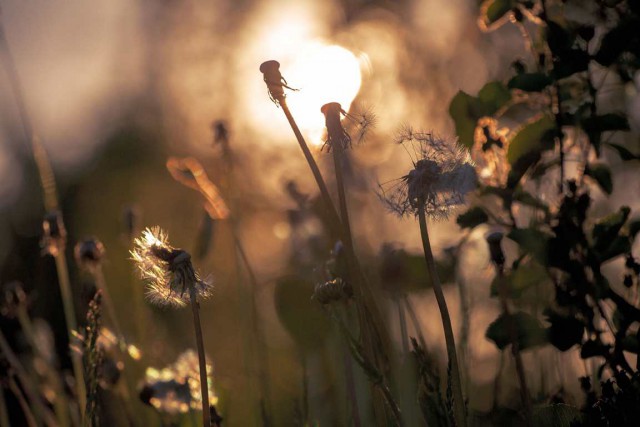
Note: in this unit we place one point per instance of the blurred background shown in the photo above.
(115, 88)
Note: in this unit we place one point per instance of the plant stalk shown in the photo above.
(515, 347)
(459, 410)
(204, 383)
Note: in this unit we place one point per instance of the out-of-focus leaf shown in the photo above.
(618, 246)
(593, 348)
(606, 123)
(534, 136)
(493, 10)
(631, 344)
(634, 227)
(569, 62)
(529, 331)
(601, 174)
(466, 109)
(556, 415)
(299, 315)
(529, 82)
(520, 279)
(521, 166)
(532, 241)
(403, 272)
(607, 228)
(623, 152)
(529, 199)
(565, 331)
(472, 218)
(617, 40)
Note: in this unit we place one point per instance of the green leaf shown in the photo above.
(520, 279)
(466, 109)
(301, 317)
(530, 82)
(535, 136)
(495, 9)
(472, 218)
(556, 415)
(601, 174)
(529, 331)
(623, 152)
(531, 241)
(607, 228)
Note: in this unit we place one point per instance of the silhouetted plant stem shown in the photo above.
(26, 409)
(4, 414)
(50, 198)
(415, 321)
(459, 410)
(101, 284)
(351, 389)
(402, 321)
(204, 383)
(515, 347)
(30, 389)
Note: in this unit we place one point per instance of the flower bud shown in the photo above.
(54, 234)
(89, 252)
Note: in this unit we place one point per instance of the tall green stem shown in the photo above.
(459, 410)
(204, 383)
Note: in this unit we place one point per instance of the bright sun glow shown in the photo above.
(323, 73)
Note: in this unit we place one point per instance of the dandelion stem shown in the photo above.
(459, 410)
(204, 384)
(515, 347)
(334, 220)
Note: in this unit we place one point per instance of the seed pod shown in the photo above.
(89, 253)
(54, 235)
(332, 291)
(337, 136)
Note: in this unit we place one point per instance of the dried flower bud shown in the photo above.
(495, 248)
(54, 235)
(89, 253)
(14, 298)
(274, 80)
(331, 291)
(337, 136)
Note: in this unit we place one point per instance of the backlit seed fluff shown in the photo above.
(167, 270)
(442, 175)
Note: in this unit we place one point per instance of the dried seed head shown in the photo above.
(332, 291)
(274, 80)
(89, 253)
(442, 175)
(337, 136)
(495, 248)
(168, 271)
(54, 235)
(176, 388)
(14, 299)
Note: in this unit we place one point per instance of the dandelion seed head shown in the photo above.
(442, 175)
(167, 270)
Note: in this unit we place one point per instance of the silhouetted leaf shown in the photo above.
(601, 174)
(619, 39)
(529, 331)
(618, 246)
(493, 95)
(529, 199)
(532, 241)
(607, 228)
(593, 348)
(623, 152)
(535, 136)
(299, 315)
(630, 343)
(472, 218)
(565, 331)
(634, 227)
(556, 415)
(529, 82)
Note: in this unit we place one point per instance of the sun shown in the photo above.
(323, 73)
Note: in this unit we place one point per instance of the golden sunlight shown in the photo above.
(323, 73)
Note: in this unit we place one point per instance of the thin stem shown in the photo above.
(351, 389)
(459, 410)
(26, 410)
(496, 381)
(29, 388)
(4, 414)
(515, 347)
(101, 284)
(334, 220)
(204, 384)
(70, 319)
(402, 321)
(415, 321)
